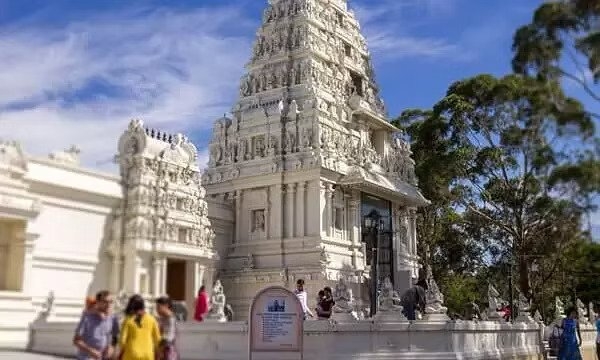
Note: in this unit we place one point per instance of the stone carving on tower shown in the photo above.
(163, 215)
(308, 135)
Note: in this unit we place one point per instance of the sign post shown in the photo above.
(276, 323)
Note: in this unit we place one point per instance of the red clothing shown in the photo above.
(201, 306)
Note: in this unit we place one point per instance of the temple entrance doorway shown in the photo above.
(12, 254)
(176, 279)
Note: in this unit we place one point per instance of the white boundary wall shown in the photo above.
(326, 340)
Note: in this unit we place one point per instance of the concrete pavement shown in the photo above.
(10, 355)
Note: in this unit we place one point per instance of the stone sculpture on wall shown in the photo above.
(591, 313)
(493, 303)
(581, 312)
(434, 308)
(524, 309)
(343, 310)
(559, 309)
(217, 303)
(389, 306)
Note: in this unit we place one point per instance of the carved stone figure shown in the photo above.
(434, 308)
(537, 317)
(581, 312)
(248, 262)
(388, 299)
(524, 309)
(217, 304)
(494, 305)
(48, 304)
(592, 316)
(258, 221)
(342, 296)
(68, 157)
(559, 309)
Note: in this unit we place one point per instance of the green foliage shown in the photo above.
(488, 157)
(562, 40)
(459, 290)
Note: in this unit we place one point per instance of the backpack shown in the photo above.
(555, 339)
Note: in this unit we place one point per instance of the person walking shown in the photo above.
(413, 299)
(302, 297)
(168, 329)
(202, 305)
(597, 323)
(96, 332)
(140, 335)
(571, 337)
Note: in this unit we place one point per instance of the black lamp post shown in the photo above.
(372, 227)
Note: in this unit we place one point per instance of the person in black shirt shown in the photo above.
(326, 304)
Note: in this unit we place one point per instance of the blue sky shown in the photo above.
(75, 71)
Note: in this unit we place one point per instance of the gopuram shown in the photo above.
(305, 156)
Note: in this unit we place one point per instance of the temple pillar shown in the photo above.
(300, 201)
(157, 277)
(163, 271)
(354, 220)
(238, 215)
(313, 209)
(275, 220)
(328, 208)
(115, 273)
(130, 272)
(290, 189)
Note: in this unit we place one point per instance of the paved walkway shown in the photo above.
(9, 355)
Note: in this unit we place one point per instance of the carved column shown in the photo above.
(328, 208)
(156, 277)
(300, 201)
(163, 271)
(275, 214)
(290, 189)
(412, 231)
(115, 272)
(354, 218)
(238, 215)
(130, 271)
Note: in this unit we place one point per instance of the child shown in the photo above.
(168, 329)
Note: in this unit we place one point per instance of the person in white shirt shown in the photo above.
(302, 296)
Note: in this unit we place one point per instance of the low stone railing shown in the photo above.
(329, 340)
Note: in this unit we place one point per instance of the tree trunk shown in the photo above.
(524, 280)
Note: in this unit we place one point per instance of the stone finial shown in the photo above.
(591, 313)
(559, 309)
(218, 303)
(69, 156)
(581, 312)
(434, 308)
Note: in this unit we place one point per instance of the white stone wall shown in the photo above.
(326, 341)
(65, 244)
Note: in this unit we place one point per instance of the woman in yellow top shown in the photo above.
(140, 334)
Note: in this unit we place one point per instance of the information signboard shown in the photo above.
(276, 322)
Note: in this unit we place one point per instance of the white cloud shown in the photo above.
(387, 23)
(81, 83)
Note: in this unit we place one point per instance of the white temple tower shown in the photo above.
(307, 152)
(161, 241)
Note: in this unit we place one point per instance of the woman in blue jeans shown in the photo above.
(571, 337)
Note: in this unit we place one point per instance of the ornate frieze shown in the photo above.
(164, 200)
